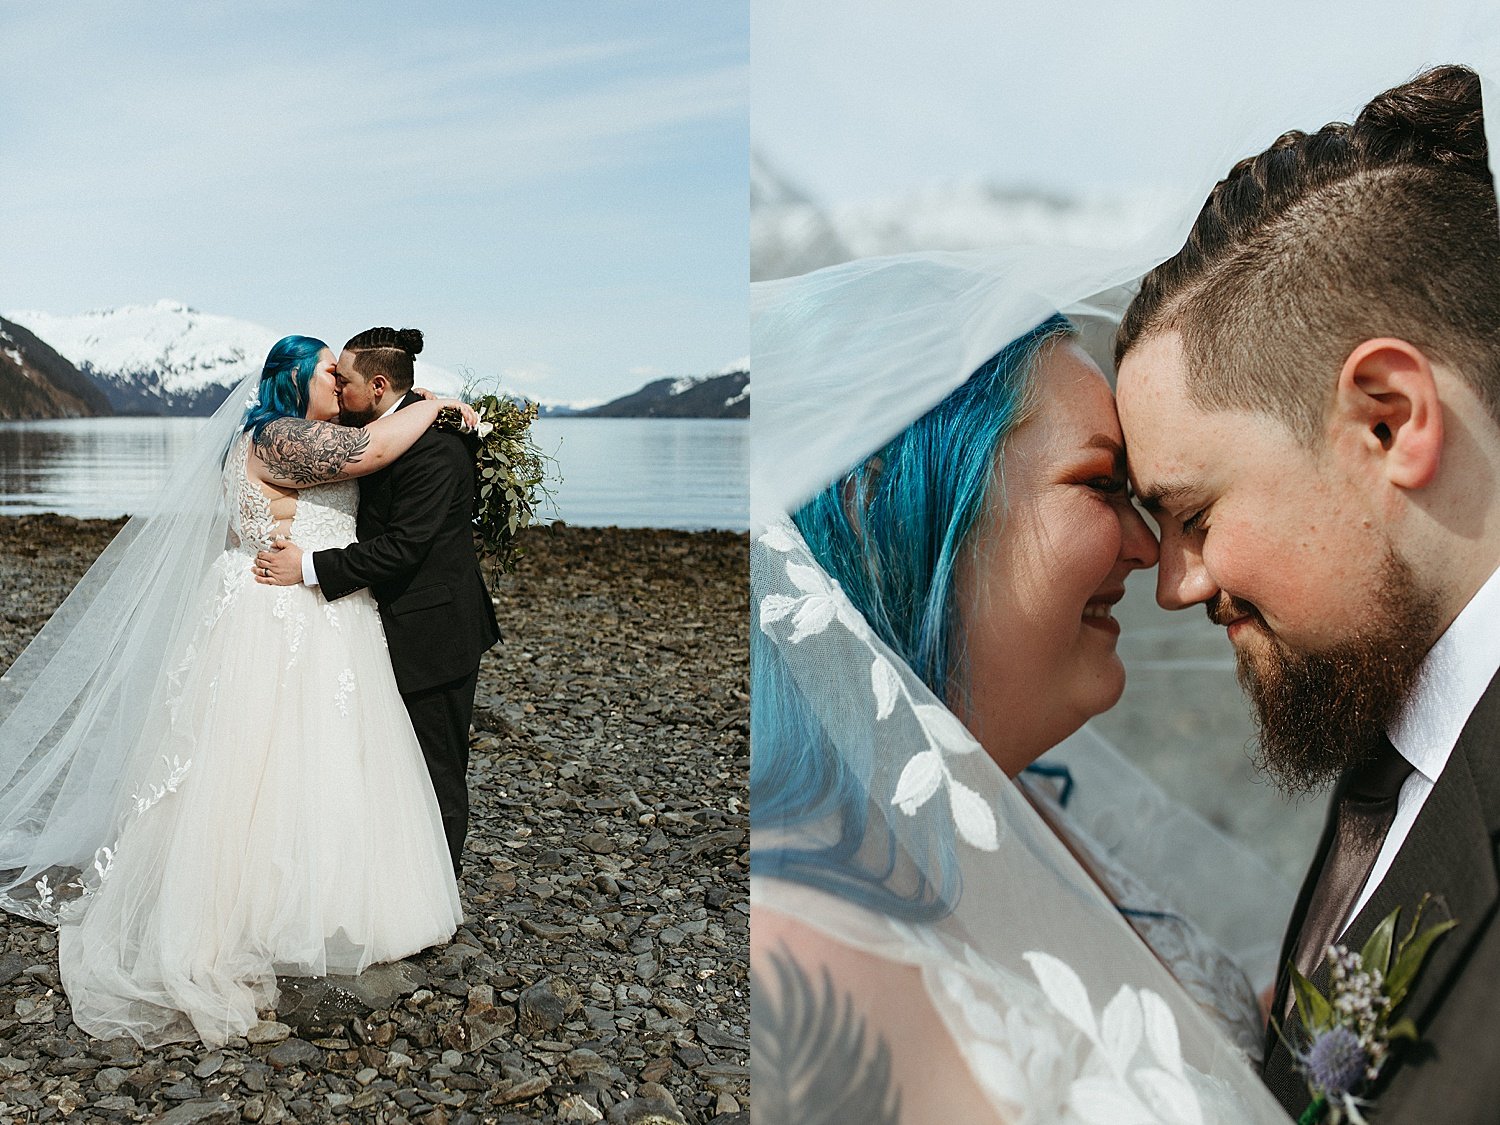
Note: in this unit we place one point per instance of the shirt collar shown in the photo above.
(1453, 676)
(393, 407)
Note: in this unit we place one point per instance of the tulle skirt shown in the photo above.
(290, 827)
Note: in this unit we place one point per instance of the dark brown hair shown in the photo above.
(1386, 227)
(388, 352)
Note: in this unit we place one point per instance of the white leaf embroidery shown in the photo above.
(778, 538)
(773, 607)
(999, 1073)
(1169, 1095)
(972, 817)
(1107, 1101)
(1120, 1028)
(943, 727)
(919, 781)
(813, 617)
(887, 685)
(808, 579)
(1161, 1033)
(1061, 985)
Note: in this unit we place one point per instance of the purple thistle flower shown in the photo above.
(1336, 1062)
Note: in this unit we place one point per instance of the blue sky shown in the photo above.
(869, 99)
(554, 192)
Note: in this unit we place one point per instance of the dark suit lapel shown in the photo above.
(1449, 855)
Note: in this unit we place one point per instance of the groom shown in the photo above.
(1310, 393)
(415, 552)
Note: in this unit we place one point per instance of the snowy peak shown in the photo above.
(168, 346)
(168, 357)
(725, 394)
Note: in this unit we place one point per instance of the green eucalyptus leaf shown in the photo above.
(1376, 955)
(1409, 960)
(1314, 1009)
(1402, 1029)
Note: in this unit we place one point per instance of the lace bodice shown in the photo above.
(325, 512)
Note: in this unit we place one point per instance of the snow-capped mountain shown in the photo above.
(724, 394)
(167, 358)
(36, 382)
(790, 233)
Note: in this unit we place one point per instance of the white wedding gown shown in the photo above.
(290, 825)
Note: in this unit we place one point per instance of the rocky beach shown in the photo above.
(601, 973)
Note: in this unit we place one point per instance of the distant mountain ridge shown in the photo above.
(168, 358)
(36, 382)
(723, 395)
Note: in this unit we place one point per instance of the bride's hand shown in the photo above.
(422, 392)
(470, 415)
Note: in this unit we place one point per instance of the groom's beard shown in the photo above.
(1320, 712)
(349, 417)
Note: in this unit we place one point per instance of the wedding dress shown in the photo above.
(277, 816)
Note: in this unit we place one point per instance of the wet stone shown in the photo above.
(591, 830)
(294, 1052)
(12, 965)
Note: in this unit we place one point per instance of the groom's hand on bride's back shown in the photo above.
(280, 564)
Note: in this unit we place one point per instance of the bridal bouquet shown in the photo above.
(511, 474)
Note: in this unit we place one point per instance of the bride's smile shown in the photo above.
(1036, 591)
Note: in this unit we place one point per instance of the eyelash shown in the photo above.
(1194, 522)
(1114, 486)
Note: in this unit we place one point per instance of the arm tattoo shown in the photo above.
(808, 1062)
(306, 453)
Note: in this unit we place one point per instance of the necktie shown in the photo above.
(1365, 811)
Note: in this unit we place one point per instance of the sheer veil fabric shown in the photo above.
(209, 781)
(75, 702)
(1060, 1011)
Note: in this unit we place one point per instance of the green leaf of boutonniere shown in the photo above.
(1314, 1009)
(1402, 1029)
(1376, 955)
(1409, 959)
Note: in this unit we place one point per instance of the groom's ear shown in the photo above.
(1387, 400)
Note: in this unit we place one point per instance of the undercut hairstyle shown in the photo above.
(1383, 227)
(388, 352)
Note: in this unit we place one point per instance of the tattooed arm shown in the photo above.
(297, 452)
(840, 1035)
(809, 1058)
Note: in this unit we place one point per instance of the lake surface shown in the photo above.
(687, 473)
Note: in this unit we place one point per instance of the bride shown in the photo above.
(929, 941)
(203, 794)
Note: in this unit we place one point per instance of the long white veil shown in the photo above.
(1033, 969)
(74, 705)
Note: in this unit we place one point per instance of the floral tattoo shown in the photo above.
(306, 452)
(809, 1060)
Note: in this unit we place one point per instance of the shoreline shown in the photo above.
(602, 968)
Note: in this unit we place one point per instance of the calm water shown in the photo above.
(629, 472)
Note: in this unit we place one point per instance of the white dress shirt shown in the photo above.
(309, 572)
(1453, 677)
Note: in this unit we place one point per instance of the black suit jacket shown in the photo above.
(416, 554)
(1452, 1074)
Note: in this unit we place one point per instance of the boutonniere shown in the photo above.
(1353, 1027)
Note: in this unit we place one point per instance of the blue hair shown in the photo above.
(891, 531)
(283, 382)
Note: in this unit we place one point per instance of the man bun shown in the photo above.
(388, 352)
